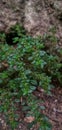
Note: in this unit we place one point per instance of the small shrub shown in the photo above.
(27, 67)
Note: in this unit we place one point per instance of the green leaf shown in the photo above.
(42, 107)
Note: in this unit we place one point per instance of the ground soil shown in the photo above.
(53, 110)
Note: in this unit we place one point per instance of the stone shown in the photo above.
(37, 16)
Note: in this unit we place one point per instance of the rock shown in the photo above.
(37, 16)
(58, 8)
(11, 12)
(58, 5)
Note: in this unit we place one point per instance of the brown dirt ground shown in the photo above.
(53, 111)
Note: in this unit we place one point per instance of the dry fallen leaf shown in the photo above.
(40, 89)
(5, 64)
(29, 119)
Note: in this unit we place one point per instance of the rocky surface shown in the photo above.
(35, 15)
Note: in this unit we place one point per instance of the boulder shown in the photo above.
(37, 16)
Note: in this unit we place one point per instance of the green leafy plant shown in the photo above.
(24, 68)
(2, 37)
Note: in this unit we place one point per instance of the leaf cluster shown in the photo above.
(29, 65)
